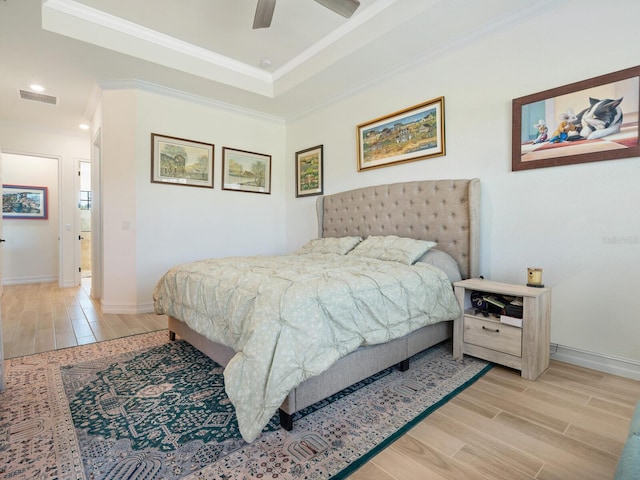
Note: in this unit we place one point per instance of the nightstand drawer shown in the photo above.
(494, 335)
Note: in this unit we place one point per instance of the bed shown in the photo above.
(442, 211)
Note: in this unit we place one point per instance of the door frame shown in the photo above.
(97, 267)
(61, 226)
(78, 250)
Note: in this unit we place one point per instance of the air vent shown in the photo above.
(38, 97)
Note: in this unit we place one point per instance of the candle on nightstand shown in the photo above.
(534, 277)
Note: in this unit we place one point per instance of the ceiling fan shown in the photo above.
(264, 11)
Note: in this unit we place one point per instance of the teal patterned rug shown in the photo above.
(147, 408)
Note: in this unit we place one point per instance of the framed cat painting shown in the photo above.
(587, 121)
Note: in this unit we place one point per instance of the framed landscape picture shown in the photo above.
(411, 134)
(586, 121)
(180, 161)
(246, 171)
(24, 202)
(309, 171)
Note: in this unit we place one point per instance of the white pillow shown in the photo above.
(392, 248)
(444, 262)
(338, 245)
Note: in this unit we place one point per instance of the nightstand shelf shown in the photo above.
(525, 349)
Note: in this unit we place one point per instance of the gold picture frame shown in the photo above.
(414, 133)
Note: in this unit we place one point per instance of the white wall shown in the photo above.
(66, 149)
(172, 224)
(119, 201)
(561, 219)
(577, 222)
(31, 245)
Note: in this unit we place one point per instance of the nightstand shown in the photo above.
(524, 348)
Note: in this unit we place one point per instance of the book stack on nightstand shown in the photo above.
(520, 343)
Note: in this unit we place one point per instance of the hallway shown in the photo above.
(42, 317)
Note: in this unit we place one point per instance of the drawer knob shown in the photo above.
(497, 330)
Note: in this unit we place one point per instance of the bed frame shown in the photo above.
(444, 211)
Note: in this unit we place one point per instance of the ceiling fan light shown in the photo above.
(346, 8)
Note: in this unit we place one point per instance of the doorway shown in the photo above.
(85, 204)
(33, 247)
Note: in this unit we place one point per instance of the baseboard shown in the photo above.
(25, 280)
(126, 309)
(623, 367)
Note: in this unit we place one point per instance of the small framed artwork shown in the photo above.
(309, 171)
(586, 121)
(24, 202)
(179, 161)
(411, 134)
(246, 171)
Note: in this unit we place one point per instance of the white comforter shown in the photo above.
(291, 317)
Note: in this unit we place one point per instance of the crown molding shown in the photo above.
(79, 21)
(95, 96)
(346, 28)
(135, 84)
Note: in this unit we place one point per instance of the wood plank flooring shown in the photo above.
(571, 423)
(42, 317)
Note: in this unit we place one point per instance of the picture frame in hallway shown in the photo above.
(22, 202)
(586, 121)
(309, 174)
(179, 161)
(414, 133)
(245, 171)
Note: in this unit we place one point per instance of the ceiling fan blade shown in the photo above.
(264, 13)
(343, 7)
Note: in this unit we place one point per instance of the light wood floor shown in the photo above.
(570, 423)
(42, 317)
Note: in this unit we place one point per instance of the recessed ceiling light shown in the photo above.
(83, 126)
(266, 63)
(36, 88)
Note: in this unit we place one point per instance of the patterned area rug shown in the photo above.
(144, 407)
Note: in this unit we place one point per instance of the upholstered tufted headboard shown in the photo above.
(444, 211)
